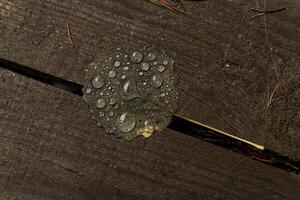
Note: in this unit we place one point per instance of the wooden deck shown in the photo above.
(229, 67)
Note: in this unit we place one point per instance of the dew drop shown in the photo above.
(145, 66)
(156, 81)
(112, 74)
(161, 68)
(126, 122)
(101, 114)
(141, 73)
(154, 63)
(98, 81)
(165, 61)
(112, 101)
(123, 76)
(126, 68)
(126, 86)
(136, 57)
(117, 63)
(111, 113)
(101, 103)
(88, 90)
(151, 56)
(144, 83)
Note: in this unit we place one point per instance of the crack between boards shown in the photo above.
(179, 124)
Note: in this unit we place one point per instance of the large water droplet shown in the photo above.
(151, 56)
(101, 103)
(98, 81)
(126, 122)
(156, 81)
(136, 57)
(145, 66)
(112, 74)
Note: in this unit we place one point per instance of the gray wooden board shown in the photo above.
(51, 149)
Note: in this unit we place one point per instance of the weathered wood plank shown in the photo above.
(51, 149)
(225, 60)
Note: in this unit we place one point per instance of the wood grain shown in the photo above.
(50, 149)
(226, 62)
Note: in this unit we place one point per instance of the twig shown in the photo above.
(167, 5)
(263, 12)
(69, 34)
(271, 96)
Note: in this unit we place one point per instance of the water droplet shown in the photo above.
(117, 63)
(101, 103)
(136, 57)
(145, 66)
(144, 83)
(123, 76)
(98, 81)
(126, 86)
(88, 90)
(126, 122)
(148, 129)
(151, 56)
(141, 73)
(111, 113)
(165, 61)
(101, 114)
(126, 68)
(162, 94)
(112, 101)
(154, 63)
(112, 74)
(161, 68)
(156, 81)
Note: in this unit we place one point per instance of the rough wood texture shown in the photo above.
(51, 149)
(226, 61)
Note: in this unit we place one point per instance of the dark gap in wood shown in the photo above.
(205, 134)
(42, 77)
(180, 125)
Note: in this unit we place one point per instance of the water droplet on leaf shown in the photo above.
(136, 57)
(156, 81)
(112, 74)
(98, 81)
(101, 103)
(126, 122)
